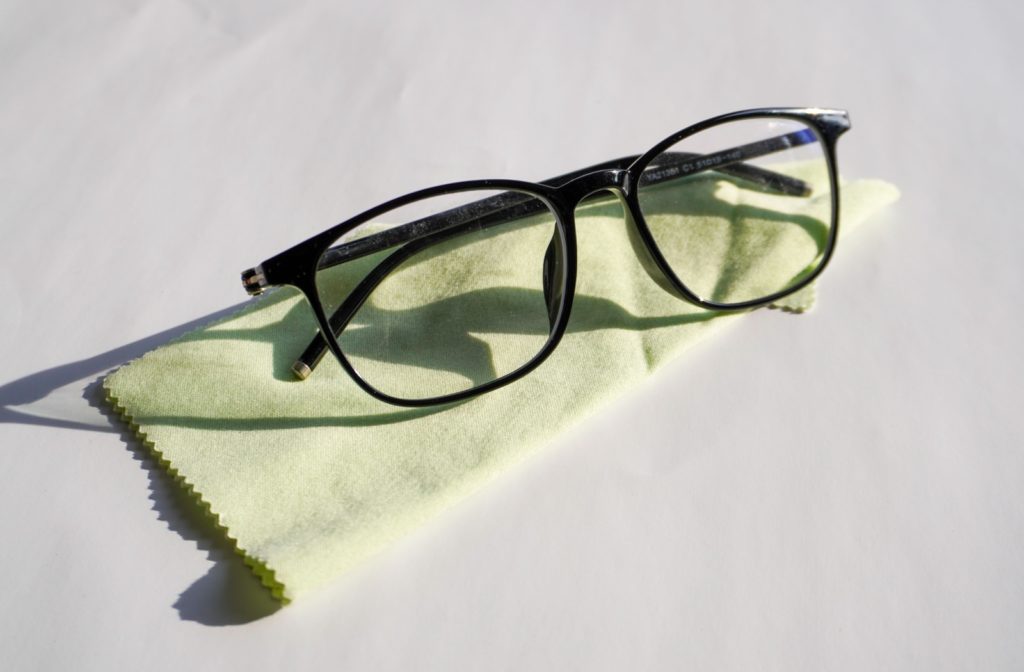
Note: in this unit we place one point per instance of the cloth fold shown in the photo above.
(309, 478)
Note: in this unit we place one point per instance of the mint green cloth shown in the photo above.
(309, 478)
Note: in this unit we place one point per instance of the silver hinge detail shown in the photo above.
(254, 281)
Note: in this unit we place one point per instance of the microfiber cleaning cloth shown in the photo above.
(309, 478)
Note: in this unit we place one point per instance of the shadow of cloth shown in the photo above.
(229, 594)
(37, 386)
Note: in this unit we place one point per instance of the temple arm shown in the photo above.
(510, 206)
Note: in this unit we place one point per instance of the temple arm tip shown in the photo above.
(301, 370)
(801, 188)
(310, 357)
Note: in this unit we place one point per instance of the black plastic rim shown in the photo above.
(297, 266)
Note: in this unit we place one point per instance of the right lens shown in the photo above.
(741, 211)
(471, 284)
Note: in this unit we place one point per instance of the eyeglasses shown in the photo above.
(457, 290)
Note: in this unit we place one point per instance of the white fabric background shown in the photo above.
(840, 490)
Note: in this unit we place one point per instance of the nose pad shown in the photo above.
(644, 255)
(554, 271)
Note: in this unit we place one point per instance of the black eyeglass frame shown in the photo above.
(297, 266)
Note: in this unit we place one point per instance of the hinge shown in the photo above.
(254, 281)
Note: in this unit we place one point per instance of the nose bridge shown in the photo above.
(613, 180)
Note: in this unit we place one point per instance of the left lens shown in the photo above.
(741, 211)
(466, 297)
